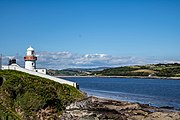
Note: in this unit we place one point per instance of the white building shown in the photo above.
(30, 61)
(30, 68)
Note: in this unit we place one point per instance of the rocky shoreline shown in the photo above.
(93, 108)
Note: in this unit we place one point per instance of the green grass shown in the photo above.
(30, 94)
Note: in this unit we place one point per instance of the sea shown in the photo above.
(155, 92)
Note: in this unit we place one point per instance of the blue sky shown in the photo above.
(143, 29)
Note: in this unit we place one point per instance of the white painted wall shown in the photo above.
(41, 70)
(30, 51)
(30, 65)
(59, 80)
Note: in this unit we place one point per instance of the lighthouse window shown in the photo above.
(32, 52)
(32, 64)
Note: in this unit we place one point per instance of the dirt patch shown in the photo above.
(144, 70)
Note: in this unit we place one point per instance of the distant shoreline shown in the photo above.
(141, 77)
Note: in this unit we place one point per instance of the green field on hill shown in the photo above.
(159, 70)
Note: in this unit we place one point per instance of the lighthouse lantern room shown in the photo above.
(30, 59)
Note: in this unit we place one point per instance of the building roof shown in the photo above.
(30, 49)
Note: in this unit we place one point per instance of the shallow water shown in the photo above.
(155, 92)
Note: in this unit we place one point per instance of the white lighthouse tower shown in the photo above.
(30, 59)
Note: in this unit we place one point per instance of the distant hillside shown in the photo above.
(67, 72)
(74, 71)
(88, 69)
(24, 96)
(159, 70)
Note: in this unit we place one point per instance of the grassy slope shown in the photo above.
(22, 95)
(160, 70)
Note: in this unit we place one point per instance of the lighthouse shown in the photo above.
(30, 59)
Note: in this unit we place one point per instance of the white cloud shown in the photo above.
(61, 60)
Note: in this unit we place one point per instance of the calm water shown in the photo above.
(155, 92)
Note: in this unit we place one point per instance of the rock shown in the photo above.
(93, 108)
(136, 117)
(83, 104)
(167, 107)
(163, 116)
(118, 108)
(140, 112)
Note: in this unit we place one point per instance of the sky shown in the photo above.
(91, 33)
